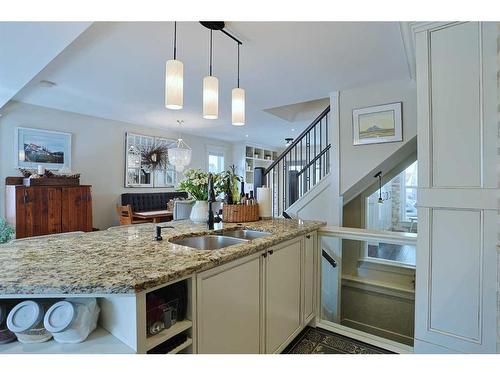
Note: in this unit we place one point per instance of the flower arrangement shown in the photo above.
(196, 184)
(6, 231)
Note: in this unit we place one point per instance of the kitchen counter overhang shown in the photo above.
(125, 260)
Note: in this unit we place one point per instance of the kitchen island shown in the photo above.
(226, 286)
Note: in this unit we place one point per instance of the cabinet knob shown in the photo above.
(264, 255)
(271, 252)
(308, 236)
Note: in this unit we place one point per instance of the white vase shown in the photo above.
(199, 213)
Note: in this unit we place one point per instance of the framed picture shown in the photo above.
(377, 124)
(42, 147)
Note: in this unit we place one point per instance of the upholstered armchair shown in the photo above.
(182, 209)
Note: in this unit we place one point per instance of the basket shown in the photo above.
(240, 213)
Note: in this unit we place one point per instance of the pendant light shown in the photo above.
(238, 100)
(210, 92)
(379, 176)
(180, 155)
(174, 79)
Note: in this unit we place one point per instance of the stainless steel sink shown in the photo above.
(208, 242)
(246, 234)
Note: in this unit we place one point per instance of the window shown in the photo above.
(397, 213)
(409, 193)
(215, 159)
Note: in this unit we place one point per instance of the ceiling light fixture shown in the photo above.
(288, 141)
(238, 99)
(180, 156)
(211, 84)
(379, 176)
(174, 79)
(210, 91)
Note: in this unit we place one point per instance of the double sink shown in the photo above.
(219, 241)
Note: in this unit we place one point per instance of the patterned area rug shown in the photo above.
(319, 341)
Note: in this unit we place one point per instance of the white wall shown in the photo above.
(97, 152)
(357, 161)
(498, 170)
(351, 164)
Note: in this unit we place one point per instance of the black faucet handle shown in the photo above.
(158, 236)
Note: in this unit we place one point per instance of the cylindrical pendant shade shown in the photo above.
(238, 107)
(174, 84)
(210, 98)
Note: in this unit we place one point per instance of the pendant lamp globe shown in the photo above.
(180, 156)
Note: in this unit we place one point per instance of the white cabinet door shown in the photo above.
(283, 290)
(457, 136)
(309, 274)
(228, 307)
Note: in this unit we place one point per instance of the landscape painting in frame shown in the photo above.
(42, 147)
(377, 124)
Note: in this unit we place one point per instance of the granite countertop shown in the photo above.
(124, 259)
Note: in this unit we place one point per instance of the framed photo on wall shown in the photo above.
(48, 148)
(378, 124)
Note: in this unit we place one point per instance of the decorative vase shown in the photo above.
(199, 213)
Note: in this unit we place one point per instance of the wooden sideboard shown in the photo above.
(41, 210)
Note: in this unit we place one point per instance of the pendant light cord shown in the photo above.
(380, 186)
(238, 83)
(175, 40)
(210, 53)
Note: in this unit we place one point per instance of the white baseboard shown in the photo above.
(367, 338)
(423, 347)
(377, 331)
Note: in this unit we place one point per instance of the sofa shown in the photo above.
(150, 201)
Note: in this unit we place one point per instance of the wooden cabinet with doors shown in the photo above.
(229, 308)
(309, 278)
(42, 210)
(283, 295)
(260, 303)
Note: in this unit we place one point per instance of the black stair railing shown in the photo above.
(301, 166)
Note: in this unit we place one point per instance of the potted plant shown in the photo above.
(195, 184)
(6, 231)
(229, 182)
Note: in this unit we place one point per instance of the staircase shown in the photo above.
(303, 164)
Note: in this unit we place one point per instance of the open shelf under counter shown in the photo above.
(181, 347)
(166, 334)
(99, 342)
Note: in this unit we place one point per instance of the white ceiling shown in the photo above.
(116, 71)
(27, 47)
